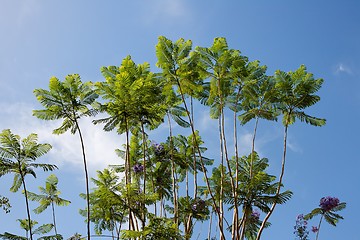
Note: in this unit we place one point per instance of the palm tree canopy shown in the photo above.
(133, 94)
(221, 65)
(18, 156)
(297, 91)
(68, 100)
(49, 194)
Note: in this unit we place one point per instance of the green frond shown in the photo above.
(43, 205)
(17, 182)
(43, 229)
(44, 166)
(10, 236)
(314, 121)
(65, 126)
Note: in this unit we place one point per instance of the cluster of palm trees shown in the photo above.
(157, 193)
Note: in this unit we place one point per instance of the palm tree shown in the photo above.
(18, 156)
(49, 196)
(133, 96)
(107, 207)
(296, 92)
(181, 70)
(222, 66)
(68, 100)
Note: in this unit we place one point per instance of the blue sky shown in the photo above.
(40, 39)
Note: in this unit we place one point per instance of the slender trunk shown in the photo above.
(210, 223)
(86, 180)
(128, 174)
(253, 147)
(221, 205)
(144, 183)
(278, 188)
(53, 212)
(193, 149)
(244, 220)
(236, 231)
(26, 201)
(200, 156)
(232, 183)
(173, 172)
(318, 229)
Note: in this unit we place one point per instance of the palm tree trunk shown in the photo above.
(26, 201)
(86, 180)
(278, 188)
(53, 213)
(210, 223)
(193, 149)
(173, 172)
(200, 156)
(236, 207)
(144, 164)
(318, 229)
(221, 205)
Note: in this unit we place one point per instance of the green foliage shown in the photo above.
(157, 228)
(159, 175)
(68, 100)
(5, 204)
(132, 93)
(296, 91)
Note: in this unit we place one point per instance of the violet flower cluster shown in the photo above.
(255, 215)
(138, 168)
(300, 228)
(158, 148)
(329, 203)
(198, 206)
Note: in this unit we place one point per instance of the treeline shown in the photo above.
(164, 189)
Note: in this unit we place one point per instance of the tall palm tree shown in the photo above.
(18, 156)
(133, 96)
(68, 100)
(180, 70)
(217, 63)
(49, 196)
(296, 92)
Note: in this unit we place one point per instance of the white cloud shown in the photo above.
(342, 68)
(66, 152)
(165, 10)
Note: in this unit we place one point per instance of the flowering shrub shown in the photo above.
(300, 227)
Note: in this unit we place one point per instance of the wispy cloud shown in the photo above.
(66, 151)
(166, 11)
(343, 68)
(18, 13)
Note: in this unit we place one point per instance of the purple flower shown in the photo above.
(138, 168)
(158, 148)
(300, 228)
(314, 229)
(328, 203)
(198, 205)
(255, 215)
